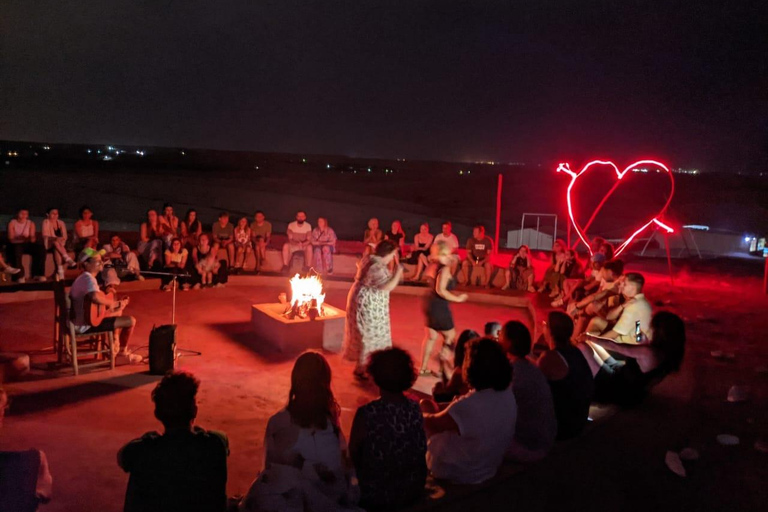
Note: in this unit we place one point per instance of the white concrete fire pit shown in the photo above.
(298, 334)
(304, 322)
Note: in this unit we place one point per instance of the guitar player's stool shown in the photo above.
(93, 344)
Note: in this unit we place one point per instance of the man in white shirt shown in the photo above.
(623, 319)
(468, 439)
(299, 240)
(86, 286)
(451, 241)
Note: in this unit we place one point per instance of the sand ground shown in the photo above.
(82, 422)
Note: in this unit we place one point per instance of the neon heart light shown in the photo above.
(619, 175)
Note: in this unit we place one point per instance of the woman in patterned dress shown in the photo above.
(368, 325)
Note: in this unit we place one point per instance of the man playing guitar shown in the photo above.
(85, 291)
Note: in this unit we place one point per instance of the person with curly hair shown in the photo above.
(387, 443)
(468, 439)
(185, 467)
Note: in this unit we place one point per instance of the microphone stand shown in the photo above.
(174, 285)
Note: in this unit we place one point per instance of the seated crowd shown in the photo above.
(502, 403)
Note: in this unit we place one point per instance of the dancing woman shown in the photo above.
(368, 326)
(437, 310)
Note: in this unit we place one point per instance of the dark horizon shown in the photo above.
(442, 81)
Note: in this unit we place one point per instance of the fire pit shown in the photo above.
(304, 322)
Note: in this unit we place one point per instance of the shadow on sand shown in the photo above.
(243, 334)
(61, 397)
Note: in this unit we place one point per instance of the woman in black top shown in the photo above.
(397, 236)
(569, 376)
(421, 250)
(624, 374)
(438, 313)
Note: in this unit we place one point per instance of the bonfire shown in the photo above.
(307, 298)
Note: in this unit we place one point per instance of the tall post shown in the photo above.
(498, 214)
(765, 278)
(669, 258)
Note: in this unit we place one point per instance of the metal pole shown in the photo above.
(669, 258)
(522, 227)
(765, 278)
(498, 214)
(538, 221)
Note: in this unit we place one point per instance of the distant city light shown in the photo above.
(88, 151)
(107, 158)
(327, 166)
(183, 153)
(46, 148)
(697, 227)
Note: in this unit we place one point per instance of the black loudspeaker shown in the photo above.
(162, 349)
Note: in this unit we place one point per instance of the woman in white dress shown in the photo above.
(368, 326)
(306, 462)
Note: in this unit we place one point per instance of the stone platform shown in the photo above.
(286, 335)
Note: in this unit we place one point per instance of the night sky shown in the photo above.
(531, 81)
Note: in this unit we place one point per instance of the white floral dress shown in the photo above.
(368, 326)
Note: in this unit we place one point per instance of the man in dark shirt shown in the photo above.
(479, 249)
(185, 468)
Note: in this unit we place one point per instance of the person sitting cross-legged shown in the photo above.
(119, 255)
(299, 232)
(387, 443)
(184, 469)
(468, 439)
(479, 249)
(86, 285)
(323, 240)
(536, 426)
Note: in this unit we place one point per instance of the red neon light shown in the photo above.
(581, 232)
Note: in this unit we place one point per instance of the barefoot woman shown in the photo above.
(439, 317)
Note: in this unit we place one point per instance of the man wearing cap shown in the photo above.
(86, 286)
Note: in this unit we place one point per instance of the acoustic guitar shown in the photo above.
(96, 313)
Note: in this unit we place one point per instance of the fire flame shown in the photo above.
(306, 293)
